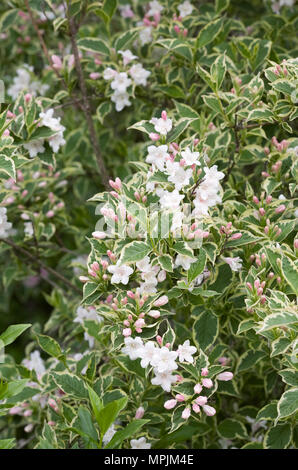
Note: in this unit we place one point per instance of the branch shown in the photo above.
(86, 104)
(41, 264)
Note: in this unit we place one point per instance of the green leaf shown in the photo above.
(288, 403)
(205, 329)
(221, 5)
(11, 389)
(7, 165)
(94, 45)
(278, 319)
(231, 429)
(290, 272)
(197, 267)
(96, 403)
(71, 384)
(87, 426)
(129, 431)
(268, 412)
(183, 249)
(166, 263)
(171, 90)
(108, 414)
(49, 345)
(134, 251)
(209, 33)
(278, 437)
(289, 376)
(12, 332)
(249, 359)
(7, 443)
(218, 70)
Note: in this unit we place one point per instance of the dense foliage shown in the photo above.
(148, 206)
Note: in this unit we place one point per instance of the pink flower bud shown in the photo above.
(164, 115)
(52, 403)
(255, 200)
(140, 323)
(296, 244)
(209, 410)
(130, 294)
(262, 211)
(225, 376)
(207, 383)
(99, 235)
(163, 300)
(196, 408)
(159, 339)
(94, 75)
(280, 209)
(186, 413)
(248, 284)
(154, 136)
(15, 410)
(236, 236)
(198, 388)
(57, 63)
(126, 332)
(170, 404)
(180, 397)
(201, 400)
(154, 314)
(50, 214)
(204, 372)
(139, 413)
(28, 97)
(28, 413)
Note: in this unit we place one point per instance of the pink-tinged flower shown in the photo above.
(204, 372)
(198, 388)
(296, 244)
(209, 410)
(186, 413)
(16, 410)
(207, 383)
(170, 404)
(225, 376)
(52, 403)
(234, 263)
(139, 413)
(154, 314)
(201, 400)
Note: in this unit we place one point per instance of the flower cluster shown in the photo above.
(128, 79)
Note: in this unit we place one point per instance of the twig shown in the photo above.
(41, 264)
(86, 105)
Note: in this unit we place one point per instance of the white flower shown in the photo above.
(185, 352)
(48, 120)
(155, 8)
(234, 263)
(140, 443)
(126, 11)
(5, 226)
(24, 82)
(185, 9)
(34, 147)
(88, 313)
(109, 74)
(184, 261)
(121, 100)
(35, 363)
(139, 74)
(190, 157)
(164, 379)
(162, 126)
(145, 35)
(127, 56)
(133, 347)
(57, 140)
(109, 434)
(170, 200)
(164, 360)
(121, 82)
(147, 353)
(121, 273)
(144, 265)
(157, 155)
(28, 229)
(207, 192)
(178, 175)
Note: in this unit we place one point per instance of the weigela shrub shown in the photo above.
(148, 182)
